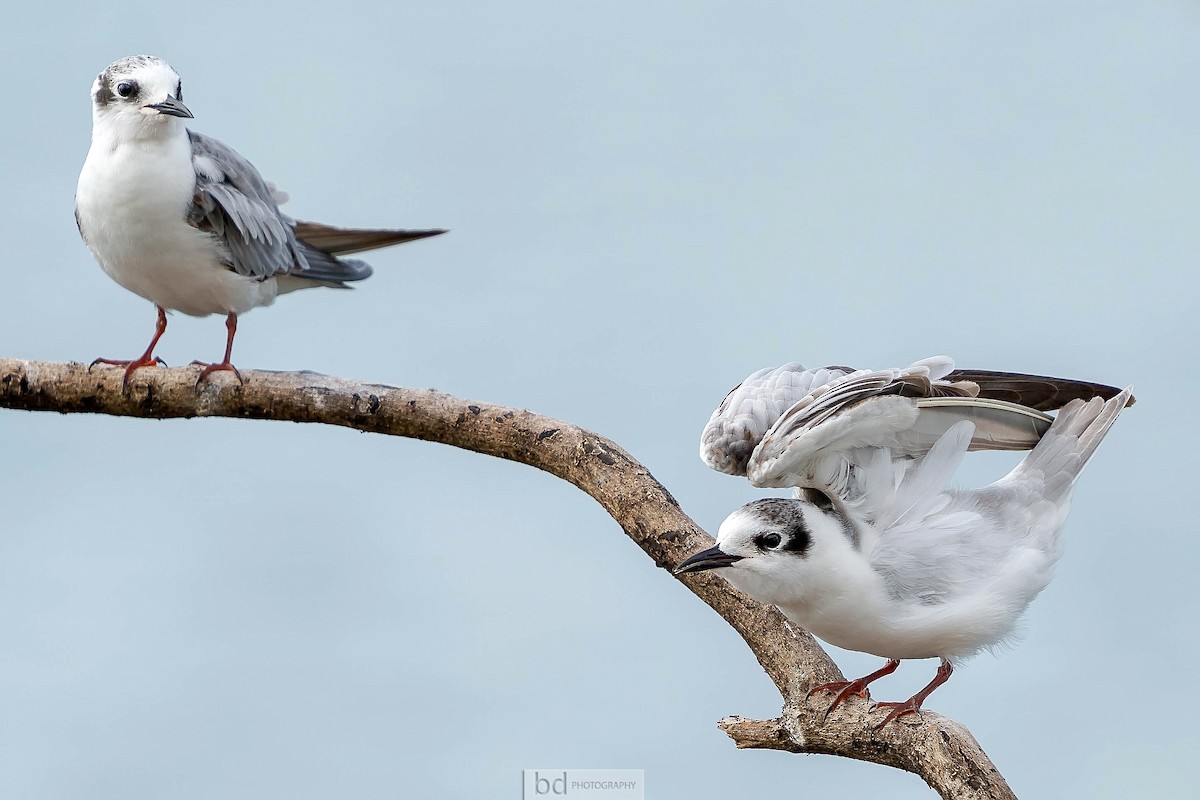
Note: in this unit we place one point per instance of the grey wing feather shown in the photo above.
(233, 202)
(325, 269)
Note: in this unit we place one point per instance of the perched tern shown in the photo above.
(186, 222)
(878, 552)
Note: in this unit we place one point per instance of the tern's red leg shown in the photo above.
(147, 358)
(224, 366)
(844, 689)
(913, 704)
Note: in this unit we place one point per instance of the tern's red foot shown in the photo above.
(224, 365)
(147, 359)
(913, 704)
(898, 710)
(209, 369)
(843, 690)
(129, 366)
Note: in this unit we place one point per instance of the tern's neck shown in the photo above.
(110, 134)
(839, 597)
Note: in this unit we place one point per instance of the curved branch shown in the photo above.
(942, 752)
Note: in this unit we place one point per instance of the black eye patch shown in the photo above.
(798, 539)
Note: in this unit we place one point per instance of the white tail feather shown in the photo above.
(1065, 450)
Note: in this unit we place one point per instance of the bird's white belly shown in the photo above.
(132, 204)
(952, 630)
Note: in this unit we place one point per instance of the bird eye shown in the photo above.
(127, 88)
(179, 91)
(768, 541)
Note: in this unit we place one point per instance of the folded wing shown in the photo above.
(233, 202)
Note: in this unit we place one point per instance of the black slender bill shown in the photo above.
(172, 107)
(712, 558)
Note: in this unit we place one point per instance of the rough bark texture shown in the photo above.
(939, 750)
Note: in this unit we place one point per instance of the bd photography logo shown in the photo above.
(584, 784)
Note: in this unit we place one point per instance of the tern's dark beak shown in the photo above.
(172, 107)
(712, 558)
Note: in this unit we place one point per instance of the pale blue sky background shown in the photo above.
(647, 202)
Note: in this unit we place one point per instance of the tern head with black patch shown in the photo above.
(137, 97)
(780, 550)
(880, 552)
(187, 222)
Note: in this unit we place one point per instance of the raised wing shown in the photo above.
(816, 441)
(792, 427)
(752, 407)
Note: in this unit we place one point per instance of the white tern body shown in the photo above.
(878, 552)
(186, 222)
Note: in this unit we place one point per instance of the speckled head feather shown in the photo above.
(103, 91)
(137, 95)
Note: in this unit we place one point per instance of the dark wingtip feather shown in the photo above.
(340, 241)
(1038, 392)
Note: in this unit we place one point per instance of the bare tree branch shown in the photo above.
(939, 750)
